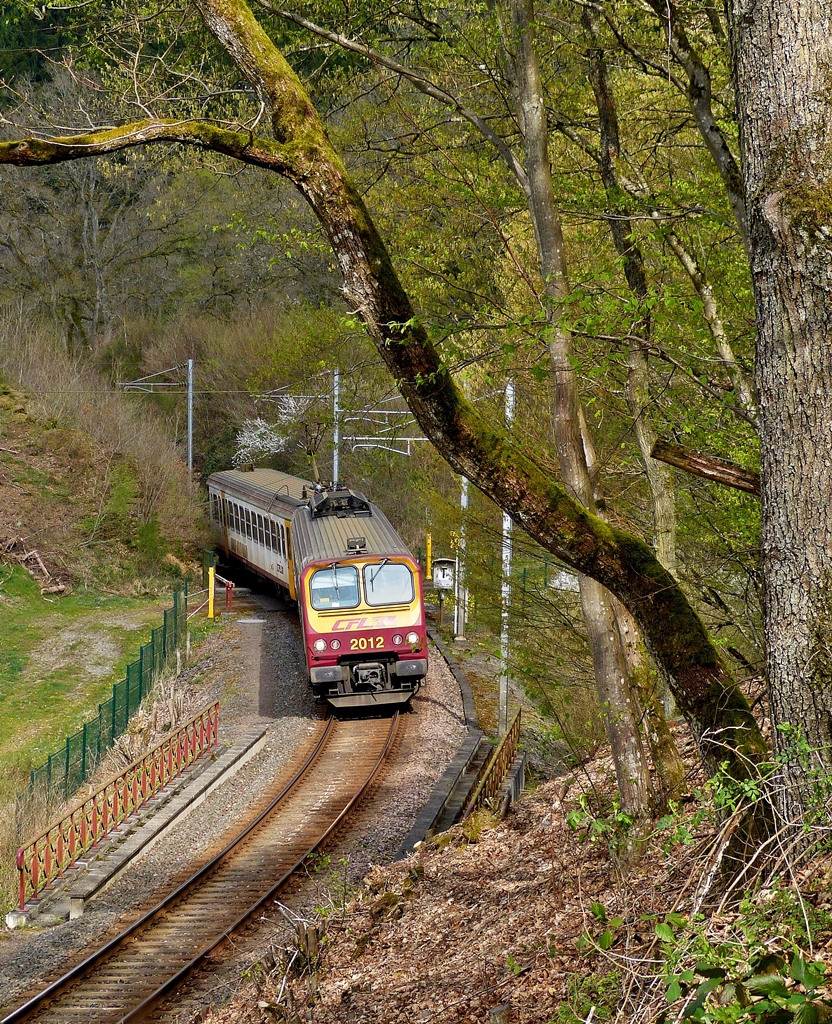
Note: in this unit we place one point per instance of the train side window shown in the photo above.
(282, 539)
(273, 532)
(248, 522)
(260, 536)
(235, 516)
(334, 587)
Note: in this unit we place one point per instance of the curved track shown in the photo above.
(125, 978)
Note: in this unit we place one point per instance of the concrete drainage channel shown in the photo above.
(450, 794)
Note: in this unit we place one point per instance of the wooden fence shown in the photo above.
(494, 774)
(89, 821)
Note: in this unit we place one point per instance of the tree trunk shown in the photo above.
(782, 55)
(609, 658)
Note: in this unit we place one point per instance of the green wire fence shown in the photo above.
(67, 769)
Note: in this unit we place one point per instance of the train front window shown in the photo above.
(388, 583)
(334, 587)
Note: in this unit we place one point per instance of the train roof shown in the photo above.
(326, 524)
(344, 533)
(264, 486)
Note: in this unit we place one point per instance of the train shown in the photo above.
(358, 589)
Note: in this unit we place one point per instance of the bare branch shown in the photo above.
(729, 474)
(421, 83)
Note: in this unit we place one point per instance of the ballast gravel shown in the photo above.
(255, 669)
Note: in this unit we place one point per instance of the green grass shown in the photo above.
(58, 661)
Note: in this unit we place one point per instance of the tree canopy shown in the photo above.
(617, 121)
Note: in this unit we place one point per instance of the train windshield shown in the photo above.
(334, 587)
(388, 583)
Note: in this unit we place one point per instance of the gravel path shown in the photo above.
(256, 672)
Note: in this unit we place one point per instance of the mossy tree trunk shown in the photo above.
(300, 150)
(782, 55)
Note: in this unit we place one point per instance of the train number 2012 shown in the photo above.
(363, 643)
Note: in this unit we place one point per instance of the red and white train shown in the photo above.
(358, 588)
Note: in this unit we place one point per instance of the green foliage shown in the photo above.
(606, 929)
(58, 661)
(585, 992)
(726, 986)
(613, 828)
(150, 542)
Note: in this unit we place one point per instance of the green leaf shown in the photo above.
(798, 968)
(665, 933)
(598, 912)
(702, 994)
(707, 971)
(605, 939)
(807, 1014)
(674, 990)
(767, 985)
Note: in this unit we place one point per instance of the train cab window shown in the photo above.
(388, 583)
(335, 587)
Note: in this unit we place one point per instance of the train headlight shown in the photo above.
(414, 639)
(319, 645)
(397, 640)
(335, 644)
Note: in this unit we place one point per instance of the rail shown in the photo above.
(89, 821)
(259, 861)
(496, 770)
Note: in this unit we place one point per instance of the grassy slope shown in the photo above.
(59, 656)
(58, 660)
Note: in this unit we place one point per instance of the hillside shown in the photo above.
(82, 584)
(77, 497)
(553, 914)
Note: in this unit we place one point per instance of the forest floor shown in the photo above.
(561, 913)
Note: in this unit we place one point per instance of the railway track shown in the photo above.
(125, 979)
